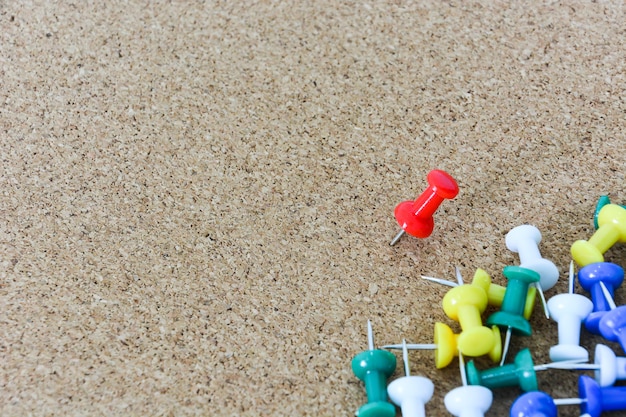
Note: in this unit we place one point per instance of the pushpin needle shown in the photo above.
(459, 279)
(507, 342)
(571, 277)
(608, 296)
(463, 371)
(542, 297)
(405, 358)
(397, 238)
(413, 346)
(370, 336)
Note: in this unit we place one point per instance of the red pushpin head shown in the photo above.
(416, 217)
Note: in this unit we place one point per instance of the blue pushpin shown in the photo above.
(595, 400)
(539, 404)
(613, 324)
(590, 277)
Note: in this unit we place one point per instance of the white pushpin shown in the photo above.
(468, 400)
(524, 240)
(410, 393)
(607, 367)
(569, 310)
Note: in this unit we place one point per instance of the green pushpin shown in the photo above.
(511, 314)
(374, 367)
(519, 373)
(602, 201)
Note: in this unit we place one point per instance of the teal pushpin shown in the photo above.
(511, 314)
(374, 367)
(520, 373)
(602, 201)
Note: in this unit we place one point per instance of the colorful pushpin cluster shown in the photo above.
(466, 303)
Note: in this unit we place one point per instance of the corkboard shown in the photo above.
(197, 197)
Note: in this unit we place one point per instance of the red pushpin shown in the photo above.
(416, 217)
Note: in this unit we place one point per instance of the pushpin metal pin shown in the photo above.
(607, 295)
(510, 315)
(569, 310)
(374, 367)
(416, 217)
(410, 393)
(590, 277)
(611, 229)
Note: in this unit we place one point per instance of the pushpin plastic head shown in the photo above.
(589, 277)
(524, 240)
(465, 304)
(468, 401)
(416, 217)
(534, 404)
(613, 326)
(446, 342)
(569, 311)
(608, 370)
(611, 229)
(519, 373)
(602, 201)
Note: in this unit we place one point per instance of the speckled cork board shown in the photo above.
(197, 197)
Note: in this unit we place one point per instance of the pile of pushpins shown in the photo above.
(465, 303)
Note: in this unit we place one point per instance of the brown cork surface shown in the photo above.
(197, 197)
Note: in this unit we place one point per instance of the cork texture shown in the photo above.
(197, 198)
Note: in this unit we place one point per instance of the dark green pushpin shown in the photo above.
(519, 373)
(374, 367)
(511, 314)
(602, 201)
